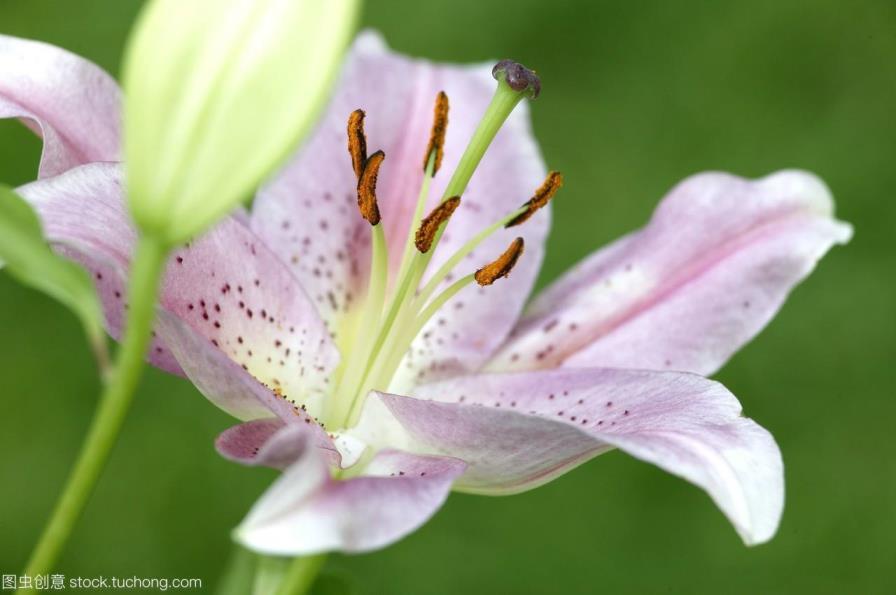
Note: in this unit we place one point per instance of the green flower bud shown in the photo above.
(217, 94)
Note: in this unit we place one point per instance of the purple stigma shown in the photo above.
(518, 77)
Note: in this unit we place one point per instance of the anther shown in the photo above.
(435, 148)
(367, 188)
(357, 142)
(518, 77)
(502, 265)
(545, 193)
(426, 233)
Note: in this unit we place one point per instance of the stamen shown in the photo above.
(515, 82)
(544, 194)
(387, 333)
(367, 188)
(437, 136)
(426, 233)
(406, 331)
(502, 265)
(357, 142)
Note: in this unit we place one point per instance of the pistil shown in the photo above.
(384, 333)
(515, 82)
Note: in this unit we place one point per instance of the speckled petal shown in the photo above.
(306, 511)
(712, 267)
(225, 287)
(273, 443)
(70, 102)
(517, 431)
(231, 290)
(83, 215)
(308, 213)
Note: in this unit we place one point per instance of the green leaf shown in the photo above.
(29, 259)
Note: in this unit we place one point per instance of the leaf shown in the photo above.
(31, 261)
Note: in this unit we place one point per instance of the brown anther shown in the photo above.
(426, 233)
(502, 265)
(357, 142)
(436, 145)
(544, 194)
(367, 188)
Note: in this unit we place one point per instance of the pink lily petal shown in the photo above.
(519, 430)
(308, 213)
(507, 452)
(708, 272)
(226, 383)
(226, 288)
(70, 102)
(306, 511)
(273, 443)
(82, 214)
(231, 290)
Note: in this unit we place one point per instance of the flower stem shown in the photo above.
(146, 273)
(301, 574)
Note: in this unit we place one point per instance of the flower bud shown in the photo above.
(217, 94)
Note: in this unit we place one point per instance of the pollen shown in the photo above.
(436, 145)
(357, 142)
(542, 196)
(426, 233)
(502, 265)
(367, 188)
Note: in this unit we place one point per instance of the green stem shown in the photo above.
(117, 396)
(97, 340)
(239, 573)
(301, 574)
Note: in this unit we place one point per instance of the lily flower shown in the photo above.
(379, 356)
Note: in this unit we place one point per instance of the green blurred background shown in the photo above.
(637, 95)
